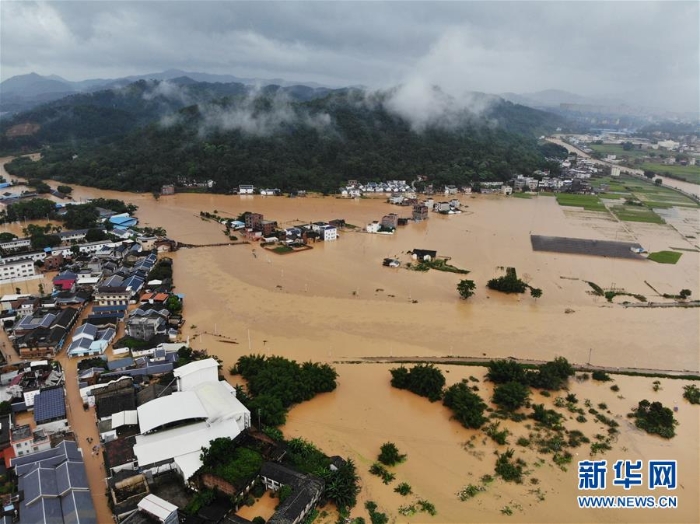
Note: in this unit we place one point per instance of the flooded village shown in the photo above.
(94, 334)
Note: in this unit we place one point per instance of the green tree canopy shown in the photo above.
(389, 454)
(511, 395)
(551, 375)
(654, 417)
(467, 406)
(502, 371)
(422, 379)
(466, 288)
(343, 485)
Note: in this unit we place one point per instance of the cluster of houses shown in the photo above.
(389, 222)
(249, 189)
(574, 178)
(48, 464)
(256, 228)
(355, 189)
(110, 280)
(18, 262)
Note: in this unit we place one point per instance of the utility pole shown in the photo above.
(259, 426)
(590, 350)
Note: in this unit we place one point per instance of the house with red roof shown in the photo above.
(65, 281)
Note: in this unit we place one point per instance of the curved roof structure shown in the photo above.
(220, 402)
(167, 410)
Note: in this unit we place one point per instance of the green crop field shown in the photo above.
(587, 202)
(615, 149)
(665, 257)
(615, 185)
(647, 192)
(628, 213)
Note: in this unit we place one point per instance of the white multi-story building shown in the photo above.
(17, 243)
(329, 233)
(18, 270)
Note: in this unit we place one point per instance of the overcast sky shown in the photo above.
(647, 52)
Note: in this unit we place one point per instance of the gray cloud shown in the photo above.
(245, 116)
(256, 114)
(646, 51)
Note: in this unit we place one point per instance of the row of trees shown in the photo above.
(506, 284)
(551, 375)
(512, 391)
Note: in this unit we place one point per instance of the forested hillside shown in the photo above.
(143, 136)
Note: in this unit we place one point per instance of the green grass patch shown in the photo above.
(614, 196)
(665, 257)
(521, 195)
(587, 202)
(628, 213)
(613, 184)
(281, 250)
(615, 149)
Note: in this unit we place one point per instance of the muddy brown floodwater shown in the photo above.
(336, 303)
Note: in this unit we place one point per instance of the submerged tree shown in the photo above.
(511, 395)
(510, 283)
(467, 406)
(389, 454)
(654, 417)
(423, 379)
(466, 288)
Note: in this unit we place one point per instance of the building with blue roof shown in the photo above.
(55, 487)
(50, 405)
(122, 363)
(123, 220)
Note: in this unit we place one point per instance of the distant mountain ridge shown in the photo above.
(555, 97)
(23, 92)
(150, 133)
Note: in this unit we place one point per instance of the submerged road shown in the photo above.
(482, 361)
(82, 422)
